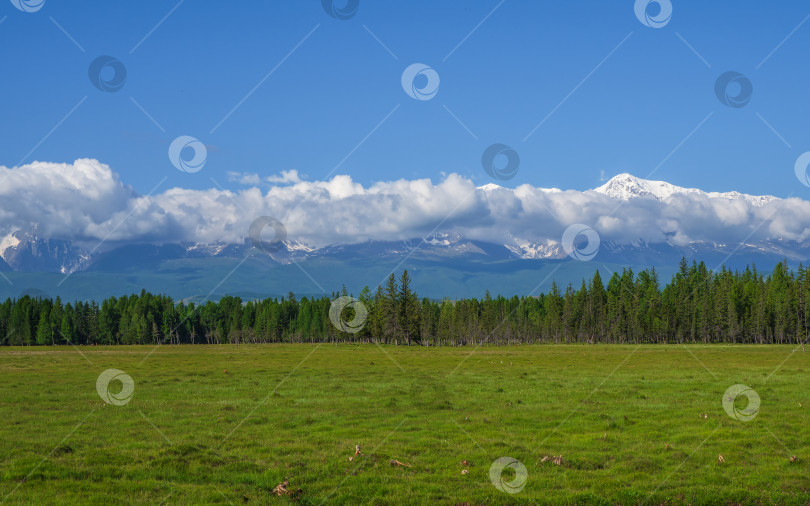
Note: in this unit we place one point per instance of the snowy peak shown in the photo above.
(490, 187)
(9, 241)
(626, 186)
(25, 250)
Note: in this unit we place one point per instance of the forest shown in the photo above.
(697, 305)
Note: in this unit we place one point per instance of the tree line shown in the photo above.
(697, 305)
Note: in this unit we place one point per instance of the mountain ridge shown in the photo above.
(625, 186)
(24, 250)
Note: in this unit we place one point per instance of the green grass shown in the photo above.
(194, 433)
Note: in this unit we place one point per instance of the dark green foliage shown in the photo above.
(697, 305)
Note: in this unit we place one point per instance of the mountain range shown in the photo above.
(443, 264)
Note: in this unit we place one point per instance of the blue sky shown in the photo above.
(633, 112)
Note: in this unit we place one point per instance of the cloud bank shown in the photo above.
(85, 201)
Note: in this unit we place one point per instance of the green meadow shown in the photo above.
(227, 424)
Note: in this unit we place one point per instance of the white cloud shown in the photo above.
(86, 201)
(251, 178)
(243, 177)
(286, 177)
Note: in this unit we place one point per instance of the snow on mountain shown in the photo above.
(626, 186)
(25, 250)
(533, 250)
(490, 187)
(9, 241)
(205, 249)
(298, 246)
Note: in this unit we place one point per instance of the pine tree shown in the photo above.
(598, 302)
(408, 309)
(696, 305)
(66, 329)
(44, 333)
(390, 304)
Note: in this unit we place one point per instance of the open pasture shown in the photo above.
(227, 424)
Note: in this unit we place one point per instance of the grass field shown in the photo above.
(224, 424)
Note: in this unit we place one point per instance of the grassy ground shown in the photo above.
(223, 424)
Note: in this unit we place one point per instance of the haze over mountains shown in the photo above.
(193, 244)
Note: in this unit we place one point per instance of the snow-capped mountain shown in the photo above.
(626, 186)
(443, 264)
(26, 251)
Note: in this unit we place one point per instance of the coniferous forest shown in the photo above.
(697, 305)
